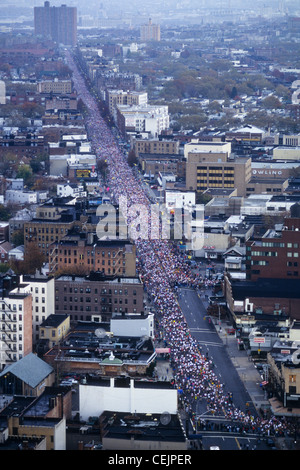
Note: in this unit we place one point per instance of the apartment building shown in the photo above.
(55, 87)
(97, 297)
(16, 223)
(57, 23)
(211, 165)
(135, 119)
(82, 253)
(16, 326)
(42, 290)
(150, 31)
(120, 97)
(42, 233)
(154, 164)
(155, 146)
(111, 79)
(23, 145)
(61, 103)
(276, 254)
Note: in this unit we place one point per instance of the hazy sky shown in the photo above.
(15, 8)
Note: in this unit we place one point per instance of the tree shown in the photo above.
(33, 260)
(17, 238)
(25, 172)
(271, 102)
(4, 213)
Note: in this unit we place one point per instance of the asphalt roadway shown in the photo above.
(235, 370)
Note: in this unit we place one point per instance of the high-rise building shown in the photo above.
(150, 32)
(57, 23)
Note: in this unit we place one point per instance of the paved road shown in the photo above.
(203, 329)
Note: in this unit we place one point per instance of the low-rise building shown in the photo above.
(41, 418)
(283, 379)
(127, 395)
(143, 431)
(91, 348)
(28, 376)
(54, 329)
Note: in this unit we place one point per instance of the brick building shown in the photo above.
(42, 232)
(82, 253)
(23, 145)
(276, 254)
(97, 297)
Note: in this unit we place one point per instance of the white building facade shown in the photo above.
(94, 399)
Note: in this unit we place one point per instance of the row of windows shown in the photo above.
(13, 337)
(103, 253)
(264, 253)
(289, 273)
(88, 290)
(219, 174)
(215, 179)
(88, 300)
(274, 244)
(12, 307)
(36, 290)
(260, 262)
(89, 261)
(216, 185)
(37, 309)
(45, 230)
(104, 308)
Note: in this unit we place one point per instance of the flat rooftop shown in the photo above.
(142, 427)
(96, 344)
(276, 288)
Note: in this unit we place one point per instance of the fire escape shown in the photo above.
(8, 331)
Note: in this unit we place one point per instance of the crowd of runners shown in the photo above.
(161, 267)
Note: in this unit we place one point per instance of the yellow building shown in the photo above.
(54, 328)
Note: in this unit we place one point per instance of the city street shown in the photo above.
(204, 330)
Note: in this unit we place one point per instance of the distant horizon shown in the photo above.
(155, 8)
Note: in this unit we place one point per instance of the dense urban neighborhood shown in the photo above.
(150, 227)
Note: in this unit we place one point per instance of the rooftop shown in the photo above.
(112, 279)
(277, 288)
(94, 342)
(30, 369)
(54, 320)
(143, 427)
